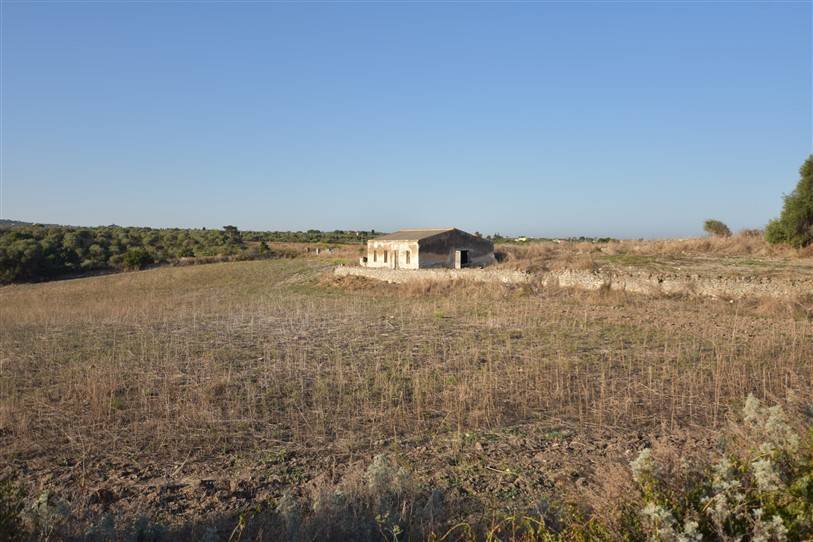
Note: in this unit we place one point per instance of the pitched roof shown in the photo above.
(413, 234)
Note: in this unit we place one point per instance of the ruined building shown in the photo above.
(426, 248)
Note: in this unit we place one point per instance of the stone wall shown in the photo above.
(399, 276)
(688, 284)
(645, 283)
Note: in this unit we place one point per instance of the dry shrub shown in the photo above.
(800, 307)
(533, 257)
(582, 263)
(219, 389)
(770, 306)
(547, 255)
(611, 499)
(458, 287)
(542, 257)
(605, 296)
(378, 500)
(353, 283)
(742, 244)
(427, 287)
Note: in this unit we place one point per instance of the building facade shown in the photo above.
(428, 248)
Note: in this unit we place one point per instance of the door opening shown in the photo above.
(461, 258)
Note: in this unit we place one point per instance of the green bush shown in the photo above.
(137, 258)
(795, 225)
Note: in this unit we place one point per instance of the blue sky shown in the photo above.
(552, 119)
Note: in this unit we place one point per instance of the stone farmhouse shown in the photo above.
(427, 248)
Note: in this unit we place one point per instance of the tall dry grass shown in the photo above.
(206, 360)
(587, 255)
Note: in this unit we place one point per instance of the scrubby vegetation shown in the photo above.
(716, 228)
(795, 225)
(759, 488)
(745, 253)
(37, 252)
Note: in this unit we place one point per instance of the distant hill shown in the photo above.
(6, 223)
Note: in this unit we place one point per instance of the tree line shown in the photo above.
(40, 252)
(30, 252)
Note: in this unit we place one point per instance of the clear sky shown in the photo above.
(552, 119)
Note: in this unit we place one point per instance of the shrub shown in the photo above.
(761, 492)
(716, 228)
(775, 232)
(751, 233)
(137, 258)
(795, 225)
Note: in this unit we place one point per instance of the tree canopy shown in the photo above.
(38, 252)
(795, 225)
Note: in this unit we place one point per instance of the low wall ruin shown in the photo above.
(643, 282)
(400, 276)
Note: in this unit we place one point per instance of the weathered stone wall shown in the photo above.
(689, 284)
(645, 283)
(405, 275)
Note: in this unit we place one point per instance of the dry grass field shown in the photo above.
(187, 401)
(742, 254)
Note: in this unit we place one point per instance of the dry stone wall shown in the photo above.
(645, 283)
(400, 276)
(688, 284)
